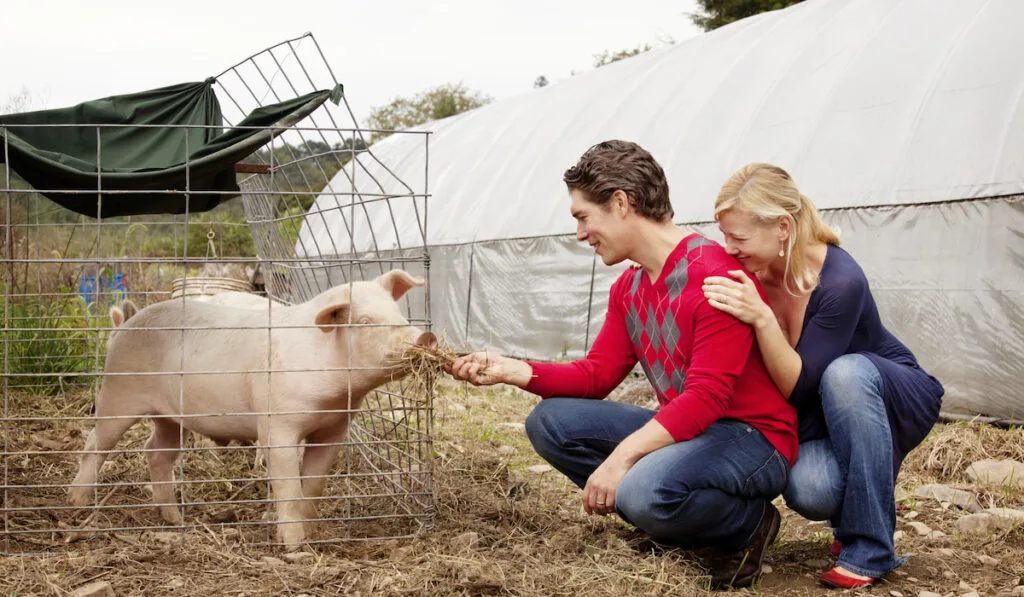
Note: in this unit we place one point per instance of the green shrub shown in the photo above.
(50, 347)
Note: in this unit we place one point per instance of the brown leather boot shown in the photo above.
(740, 569)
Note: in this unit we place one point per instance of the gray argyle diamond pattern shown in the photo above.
(670, 332)
(659, 378)
(700, 241)
(678, 380)
(634, 326)
(676, 280)
(666, 334)
(651, 327)
(636, 282)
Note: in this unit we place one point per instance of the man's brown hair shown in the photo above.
(622, 165)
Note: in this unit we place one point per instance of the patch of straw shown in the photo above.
(429, 362)
(421, 361)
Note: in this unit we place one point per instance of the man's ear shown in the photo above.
(398, 282)
(331, 316)
(620, 203)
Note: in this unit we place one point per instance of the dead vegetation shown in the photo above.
(499, 528)
(423, 362)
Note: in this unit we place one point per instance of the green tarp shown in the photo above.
(146, 157)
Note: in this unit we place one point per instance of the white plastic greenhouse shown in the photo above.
(903, 120)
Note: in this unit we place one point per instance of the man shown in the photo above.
(703, 469)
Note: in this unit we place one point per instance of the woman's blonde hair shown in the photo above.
(768, 193)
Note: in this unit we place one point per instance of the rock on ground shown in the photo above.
(299, 557)
(997, 472)
(943, 493)
(96, 589)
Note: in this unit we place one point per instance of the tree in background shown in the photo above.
(24, 101)
(302, 170)
(608, 57)
(432, 104)
(540, 81)
(716, 13)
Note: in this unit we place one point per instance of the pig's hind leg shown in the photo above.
(162, 449)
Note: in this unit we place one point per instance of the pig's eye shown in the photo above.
(364, 320)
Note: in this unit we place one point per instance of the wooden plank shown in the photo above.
(252, 168)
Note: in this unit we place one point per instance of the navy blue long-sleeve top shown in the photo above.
(842, 318)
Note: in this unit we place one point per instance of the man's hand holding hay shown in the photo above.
(485, 368)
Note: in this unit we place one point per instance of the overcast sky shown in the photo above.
(66, 51)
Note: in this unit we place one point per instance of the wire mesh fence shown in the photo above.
(271, 368)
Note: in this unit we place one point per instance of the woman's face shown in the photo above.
(754, 244)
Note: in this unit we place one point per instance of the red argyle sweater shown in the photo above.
(703, 363)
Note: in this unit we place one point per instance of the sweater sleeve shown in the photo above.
(721, 347)
(609, 361)
(828, 334)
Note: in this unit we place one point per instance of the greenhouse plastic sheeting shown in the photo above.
(948, 280)
(865, 102)
(903, 119)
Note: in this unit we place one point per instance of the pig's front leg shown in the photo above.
(162, 449)
(317, 462)
(283, 469)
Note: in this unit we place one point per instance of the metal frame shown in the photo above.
(382, 486)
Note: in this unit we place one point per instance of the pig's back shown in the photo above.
(216, 347)
(170, 336)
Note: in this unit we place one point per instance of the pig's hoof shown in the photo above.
(80, 496)
(291, 535)
(170, 515)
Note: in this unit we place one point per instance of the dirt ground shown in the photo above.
(504, 528)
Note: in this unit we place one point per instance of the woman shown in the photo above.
(862, 400)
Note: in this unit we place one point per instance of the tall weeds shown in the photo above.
(51, 347)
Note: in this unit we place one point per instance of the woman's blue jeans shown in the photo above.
(709, 491)
(848, 477)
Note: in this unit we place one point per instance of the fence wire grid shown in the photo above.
(247, 258)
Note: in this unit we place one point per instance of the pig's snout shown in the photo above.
(427, 340)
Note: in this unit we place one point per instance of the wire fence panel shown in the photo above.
(212, 372)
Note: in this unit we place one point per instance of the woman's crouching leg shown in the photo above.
(816, 484)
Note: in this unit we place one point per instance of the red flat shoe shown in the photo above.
(835, 548)
(838, 580)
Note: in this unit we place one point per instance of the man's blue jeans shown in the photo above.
(847, 478)
(709, 491)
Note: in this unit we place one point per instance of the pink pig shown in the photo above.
(326, 355)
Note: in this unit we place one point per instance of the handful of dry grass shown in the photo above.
(423, 363)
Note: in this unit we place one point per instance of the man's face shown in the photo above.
(600, 226)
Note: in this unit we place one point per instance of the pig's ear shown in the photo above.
(332, 316)
(128, 309)
(398, 282)
(116, 316)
